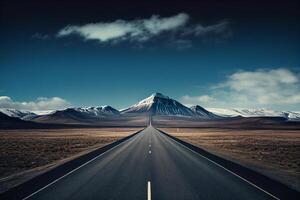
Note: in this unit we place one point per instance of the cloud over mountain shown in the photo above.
(39, 104)
(261, 87)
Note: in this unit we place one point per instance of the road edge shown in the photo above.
(27, 188)
(273, 187)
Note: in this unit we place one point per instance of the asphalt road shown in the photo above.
(150, 165)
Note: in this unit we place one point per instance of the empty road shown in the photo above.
(150, 165)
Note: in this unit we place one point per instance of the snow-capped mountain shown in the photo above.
(98, 111)
(24, 115)
(291, 115)
(79, 115)
(8, 122)
(203, 113)
(159, 104)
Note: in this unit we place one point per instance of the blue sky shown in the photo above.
(196, 61)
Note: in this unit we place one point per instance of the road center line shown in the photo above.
(149, 191)
(149, 152)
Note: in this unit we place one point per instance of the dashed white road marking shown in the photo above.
(149, 152)
(149, 145)
(149, 191)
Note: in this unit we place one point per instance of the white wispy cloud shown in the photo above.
(220, 28)
(40, 104)
(142, 30)
(139, 30)
(273, 87)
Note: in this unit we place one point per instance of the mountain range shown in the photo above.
(155, 105)
(259, 112)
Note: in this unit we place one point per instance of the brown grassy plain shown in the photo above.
(274, 153)
(27, 153)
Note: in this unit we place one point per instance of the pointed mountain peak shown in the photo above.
(151, 99)
(108, 109)
(202, 112)
(197, 107)
(159, 95)
(159, 104)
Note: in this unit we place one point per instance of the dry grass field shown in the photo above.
(26, 153)
(274, 153)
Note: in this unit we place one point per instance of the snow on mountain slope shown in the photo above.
(25, 115)
(203, 113)
(159, 104)
(156, 104)
(98, 111)
(43, 112)
(291, 115)
(78, 115)
(89, 112)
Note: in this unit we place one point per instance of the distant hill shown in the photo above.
(91, 115)
(14, 122)
(25, 115)
(203, 113)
